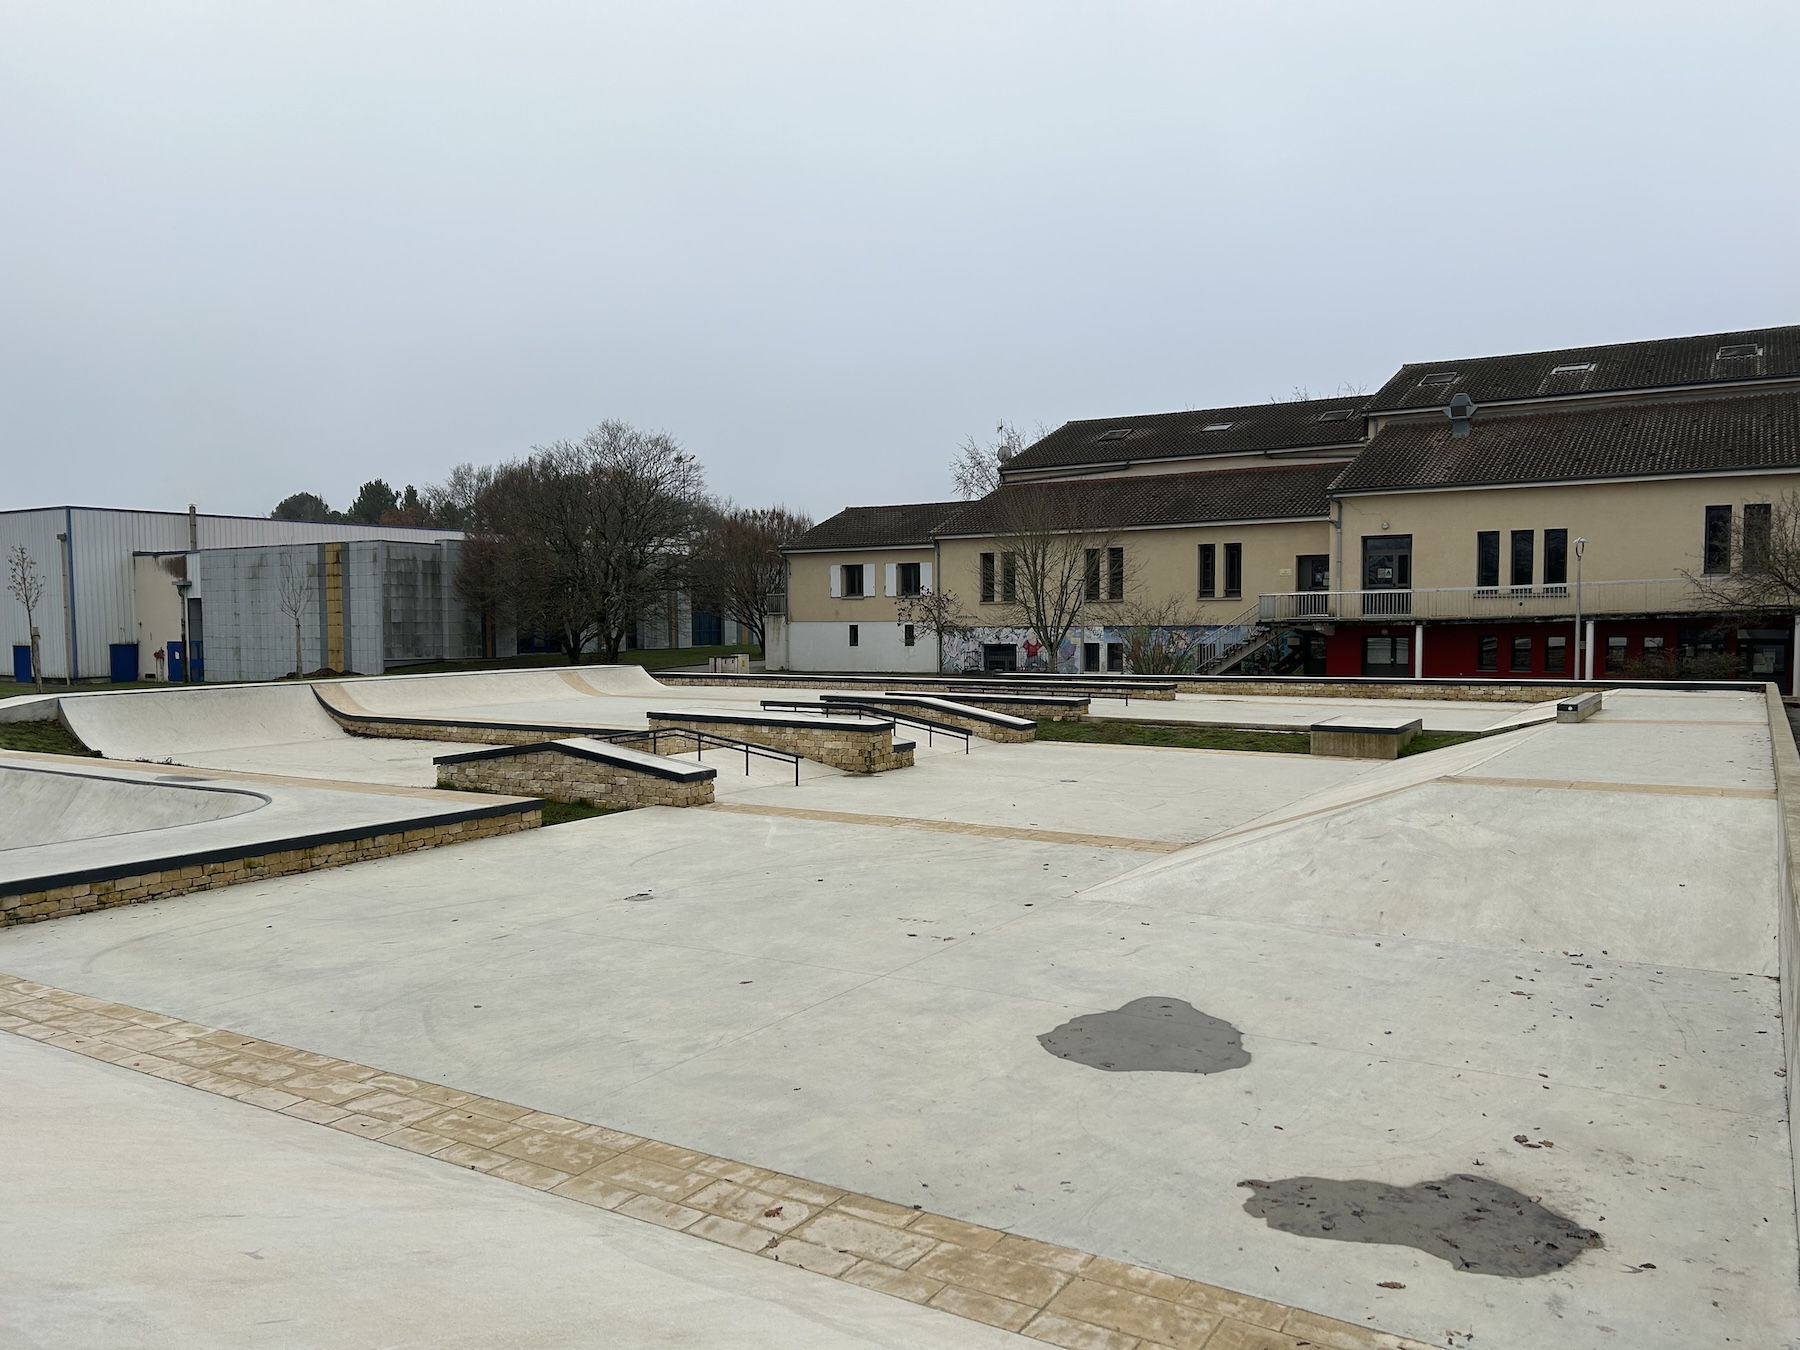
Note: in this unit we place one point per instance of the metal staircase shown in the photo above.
(1218, 654)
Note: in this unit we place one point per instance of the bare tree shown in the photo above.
(26, 585)
(581, 537)
(976, 469)
(1148, 633)
(939, 613)
(1764, 544)
(294, 594)
(737, 563)
(1052, 566)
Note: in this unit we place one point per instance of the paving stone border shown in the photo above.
(165, 880)
(1053, 1294)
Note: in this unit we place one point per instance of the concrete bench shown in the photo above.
(1579, 708)
(983, 722)
(865, 746)
(1355, 736)
(580, 769)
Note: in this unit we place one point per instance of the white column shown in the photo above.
(1588, 656)
(1418, 651)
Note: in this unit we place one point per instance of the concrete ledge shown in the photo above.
(58, 897)
(853, 746)
(983, 722)
(1364, 737)
(581, 770)
(1578, 709)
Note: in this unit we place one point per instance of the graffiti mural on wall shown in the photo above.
(1169, 650)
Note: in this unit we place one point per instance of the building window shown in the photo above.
(909, 636)
(1487, 654)
(1759, 527)
(1615, 654)
(906, 579)
(1524, 545)
(1487, 559)
(1556, 557)
(1655, 658)
(1387, 656)
(854, 635)
(1209, 571)
(1090, 656)
(1556, 655)
(1115, 571)
(705, 628)
(1009, 578)
(1521, 656)
(1091, 574)
(1718, 539)
(1234, 570)
(987, 578)
(1115, 657)
(853, 580)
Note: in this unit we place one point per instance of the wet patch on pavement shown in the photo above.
(1155, 1035)
(1475, 1224)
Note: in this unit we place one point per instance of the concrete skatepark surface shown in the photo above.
(44, 805)
(1565, 933)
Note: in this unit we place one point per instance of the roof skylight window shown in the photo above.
(1338, 415)
(1573, 368)
(1216, 426)
(1737, 349)
(1439, 377)
(1115, 434)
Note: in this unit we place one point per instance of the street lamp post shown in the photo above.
(1580, 548)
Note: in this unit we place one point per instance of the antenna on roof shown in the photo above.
(1461, 412)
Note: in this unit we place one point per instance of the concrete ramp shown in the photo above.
(1479, 845)
(625, 679)
(173, 723)
(53, 806)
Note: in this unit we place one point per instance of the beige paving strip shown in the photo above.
(954, 827)
(1654, 789)
(1054, 1294)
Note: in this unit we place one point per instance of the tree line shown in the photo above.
(584, 540)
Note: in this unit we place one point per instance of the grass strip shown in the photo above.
(42, 738)
(1181, 738)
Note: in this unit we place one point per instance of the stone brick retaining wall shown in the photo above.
(573, 778)
(868, 748)
(211, 874)
(476, 733)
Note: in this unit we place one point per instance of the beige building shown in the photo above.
(1455, 523)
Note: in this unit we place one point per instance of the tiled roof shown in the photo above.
(1253, 429)
(908, 525)
(1770, 353)
(1697, 436)
(1150, 499)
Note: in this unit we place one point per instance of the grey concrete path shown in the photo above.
(139, 1213)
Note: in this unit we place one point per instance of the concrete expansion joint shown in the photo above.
(1054, 1294)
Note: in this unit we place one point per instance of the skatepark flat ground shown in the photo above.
(1564, 932)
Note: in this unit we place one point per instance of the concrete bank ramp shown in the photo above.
(1451, 846)
(172, 723)
(40, 805)
(574, 692)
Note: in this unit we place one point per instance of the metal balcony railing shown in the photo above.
(1672, 595)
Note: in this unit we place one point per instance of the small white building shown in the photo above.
(123, 588)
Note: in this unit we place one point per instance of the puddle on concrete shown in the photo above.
(1158, 1035)
(1473, 1223)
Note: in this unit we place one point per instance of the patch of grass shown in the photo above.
(1437, 740)
(42, 738)
(561, 813)
(1183, 738)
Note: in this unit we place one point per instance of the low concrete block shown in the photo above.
(865, 746)
(1579, 708)
(580, 769)
(1364, 737)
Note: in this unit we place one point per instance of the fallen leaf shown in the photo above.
(1389, 1284)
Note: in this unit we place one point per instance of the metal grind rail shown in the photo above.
(874, 710)
(702, 739)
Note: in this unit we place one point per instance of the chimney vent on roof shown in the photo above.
(1461, 412)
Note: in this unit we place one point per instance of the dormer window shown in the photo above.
(1737, 350)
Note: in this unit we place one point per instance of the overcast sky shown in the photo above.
(252, 249)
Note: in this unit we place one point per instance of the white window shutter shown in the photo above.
(893, 580)
(837, 581)
(924, 576)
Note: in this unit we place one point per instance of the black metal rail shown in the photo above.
(875, 710)
(701, 740)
